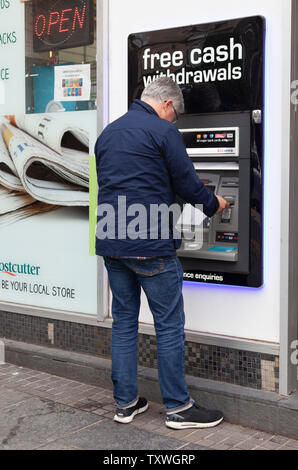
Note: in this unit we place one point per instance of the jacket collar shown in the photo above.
(139, 105)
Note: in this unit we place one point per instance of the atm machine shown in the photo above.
(220, 67)
(221, 147)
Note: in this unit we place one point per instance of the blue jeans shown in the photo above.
(161, 279)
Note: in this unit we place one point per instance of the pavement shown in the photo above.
(46, 412)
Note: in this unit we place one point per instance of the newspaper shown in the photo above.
(13, 200)
(15, 205)
(8, 173)
(51, 131)
(24, 212)
(51, 158)
(44, 164)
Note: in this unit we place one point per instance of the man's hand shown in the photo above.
(223, 204)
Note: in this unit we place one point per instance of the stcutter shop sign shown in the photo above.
(215, 64)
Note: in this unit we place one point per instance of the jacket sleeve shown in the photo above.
(186, 183)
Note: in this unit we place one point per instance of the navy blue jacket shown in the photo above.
(143, 157)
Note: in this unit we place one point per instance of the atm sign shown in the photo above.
(60, 24)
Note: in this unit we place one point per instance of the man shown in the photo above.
(141, 158)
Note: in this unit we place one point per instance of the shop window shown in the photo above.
(60, 55)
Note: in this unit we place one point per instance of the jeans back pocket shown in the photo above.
(148, 267)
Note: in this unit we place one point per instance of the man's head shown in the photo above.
(165, 97)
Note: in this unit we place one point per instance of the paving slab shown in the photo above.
(44, 412)
(56, 445)
(193, 447)
(108, 434)
(32, 422)
(9, 397)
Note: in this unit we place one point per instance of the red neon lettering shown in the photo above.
(80, 19)
(62, 19)
(52, 23)
(36, 25)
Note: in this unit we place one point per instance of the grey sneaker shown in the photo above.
(126, 415)
(194, 417)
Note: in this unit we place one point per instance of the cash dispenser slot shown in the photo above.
(220, 233)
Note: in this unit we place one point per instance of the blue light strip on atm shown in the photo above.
(222, 286)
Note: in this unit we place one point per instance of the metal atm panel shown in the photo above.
(228, 170)
(220, 233)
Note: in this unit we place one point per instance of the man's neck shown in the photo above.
(154, 105)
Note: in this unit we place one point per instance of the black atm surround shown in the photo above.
(248, 270)
(217, 104)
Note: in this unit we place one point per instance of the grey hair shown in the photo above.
(162, 89)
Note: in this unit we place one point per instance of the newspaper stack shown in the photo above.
(16, 206)
(44, 164)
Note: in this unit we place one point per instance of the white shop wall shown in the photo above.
(230, 311)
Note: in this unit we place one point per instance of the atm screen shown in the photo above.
(210, 141)
(213, 139)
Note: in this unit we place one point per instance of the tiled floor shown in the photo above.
(41, 411)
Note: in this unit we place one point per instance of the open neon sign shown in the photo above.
(60, 24)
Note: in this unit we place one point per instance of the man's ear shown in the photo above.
(166, 104)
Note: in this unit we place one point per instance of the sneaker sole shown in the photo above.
(185, 425)
(128, 419)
